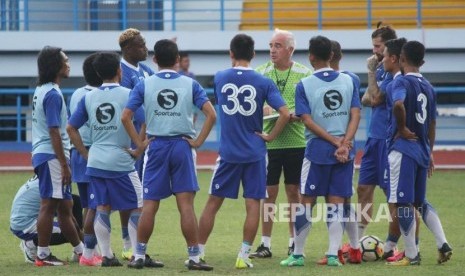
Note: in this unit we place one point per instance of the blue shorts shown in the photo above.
(373, 165)
(50, 181)
(86, 195)
(407, 180)
(169, 168)
(121, 193)
(325, 180)
(78, 167)
(30, 232)
(227, 177)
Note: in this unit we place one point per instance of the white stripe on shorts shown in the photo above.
(395, 159)
(56, 178)
(194, 157)
(214, 172)
(304, 174)
(137, 185)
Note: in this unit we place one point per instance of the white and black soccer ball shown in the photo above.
(371, 248)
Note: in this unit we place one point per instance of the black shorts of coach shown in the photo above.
(288, 161)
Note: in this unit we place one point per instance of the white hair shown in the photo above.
(290, 39)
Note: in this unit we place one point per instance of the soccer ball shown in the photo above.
(371, 248)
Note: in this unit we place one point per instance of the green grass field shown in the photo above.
(167, 244)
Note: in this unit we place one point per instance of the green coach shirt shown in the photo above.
(286, 81)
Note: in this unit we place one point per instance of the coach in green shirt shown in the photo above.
(286, 152)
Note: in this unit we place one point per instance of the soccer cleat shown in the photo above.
(405, 261)
(290, 250)
(149, 262)
(293, 261)
(444, 253)
(261, 252)
(109, 262)
(399, 255)
(137, 264)
(191, 265)
(94, 261)
(30, 254)
(340, 255)
(243, 263)
(126, 254)
(345, 250)
(50, 260)
(333, 261)
(355, 256)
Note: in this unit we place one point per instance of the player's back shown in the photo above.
(109, 138)
(84, 131)
(26, 205)
(241, 93)
(420, 109)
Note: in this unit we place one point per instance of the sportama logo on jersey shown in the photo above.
(332, 99)
(105, 113)
(167, 99)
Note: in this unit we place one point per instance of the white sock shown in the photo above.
(335, 229)
(351, 226)
(432, 221)
(407, 225)
(361, 229)
(43, 252)
(291, 241)
(102, 228)
(132, 227)
(245, 250)
(266, 241)
(202, 250)
(79, 249)
(302, 227)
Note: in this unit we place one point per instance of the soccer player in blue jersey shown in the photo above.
(241, 94)
(372, 167)
(329, 105)
(114, 181)
(134, 51)
(79, 163)
(23, 219)
(411, 141)
(50, 154)
(168, 98)
(352, 249)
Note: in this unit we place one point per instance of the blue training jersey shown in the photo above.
(26, 205)
(419, 101)
(48, 111)
(328, 97)
(168, 98)
(389, 103)
(241, 93)
(102, 108)
(84, 131)
(378, 123)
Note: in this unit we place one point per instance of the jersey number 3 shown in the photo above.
(233, 97)
(421, 116)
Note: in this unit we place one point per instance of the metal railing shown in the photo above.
(220, 15)
(16, 119)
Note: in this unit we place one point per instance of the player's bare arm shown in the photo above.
(57, 145)
(210, 119)
(372, 95)
(126, 119)
(281, 122)
(402, 130)
(320, 132)
(76, 139)
(432, 139)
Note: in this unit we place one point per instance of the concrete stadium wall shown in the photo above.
(209, 50)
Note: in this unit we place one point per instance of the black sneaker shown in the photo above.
(388, 254)
(290, 250)
(191, 265)
(50, 260)
(149, 262)
(137, 264)
(261, 252)
(444, 253)
(107, 262)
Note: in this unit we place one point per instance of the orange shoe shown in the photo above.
(345, 250)
(324, 260)
(399, 255)
(355, 256)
